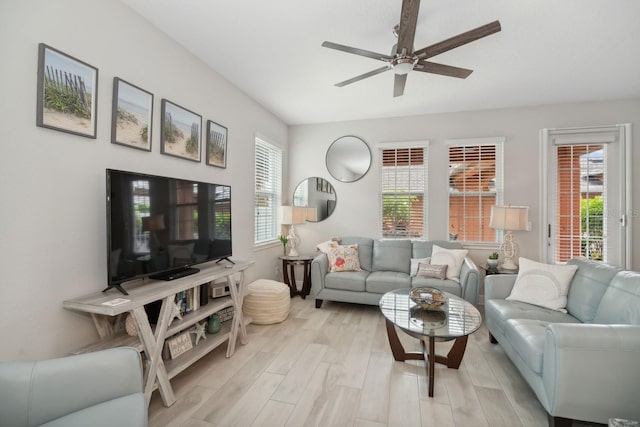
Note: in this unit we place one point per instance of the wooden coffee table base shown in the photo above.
(453, 359)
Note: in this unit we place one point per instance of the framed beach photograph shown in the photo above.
(67, 93)
(216, 145)
(131, 116)
(180, 132)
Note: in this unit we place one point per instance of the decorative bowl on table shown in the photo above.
(428, 298)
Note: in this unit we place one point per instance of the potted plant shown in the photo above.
(492, 260)
(284, 239)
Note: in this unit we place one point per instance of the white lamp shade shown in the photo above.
(509, 217)
(293, 215)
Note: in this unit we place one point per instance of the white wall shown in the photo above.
(52, 214)
(357, 203)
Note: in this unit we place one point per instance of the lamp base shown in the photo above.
(294, 241)
(508, 264)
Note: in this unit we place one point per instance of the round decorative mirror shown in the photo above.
(348, 159)
(318, 196)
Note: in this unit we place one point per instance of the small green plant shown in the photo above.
(493, 255)
(284, 239)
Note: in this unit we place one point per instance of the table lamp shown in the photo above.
(292, 215)
(509, 218)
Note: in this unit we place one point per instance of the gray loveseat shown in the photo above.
(583, 364)
(386, 265)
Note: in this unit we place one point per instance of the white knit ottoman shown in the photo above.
(267, 302)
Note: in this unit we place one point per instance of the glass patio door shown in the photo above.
(586, 194)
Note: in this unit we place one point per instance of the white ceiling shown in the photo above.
(549, 51)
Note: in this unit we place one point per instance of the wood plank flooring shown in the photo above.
(333, 367)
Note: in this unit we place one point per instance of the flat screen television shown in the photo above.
(160, 227)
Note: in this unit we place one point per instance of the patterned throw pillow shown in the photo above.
(344, 258)
(432, 270)
(415, 262)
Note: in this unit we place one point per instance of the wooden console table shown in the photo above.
(158, 372)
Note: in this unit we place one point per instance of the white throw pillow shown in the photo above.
(544, 285)
(325, 247)
(415, 262)
(452, 258)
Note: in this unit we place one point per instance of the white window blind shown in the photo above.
(268, 187)
(403, 192)
(475, 184)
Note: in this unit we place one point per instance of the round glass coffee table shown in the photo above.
(455, 320)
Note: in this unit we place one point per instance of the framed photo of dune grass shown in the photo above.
(180, 132)
(131, 117)
(67, 93)
(216, 145)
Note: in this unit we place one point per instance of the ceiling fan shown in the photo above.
(404, 58)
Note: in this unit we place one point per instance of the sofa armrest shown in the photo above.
(591, 371)
(33, 393)
(319, 268)
(470, 281)
(498, 286)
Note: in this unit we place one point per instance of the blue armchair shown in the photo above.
(97, 389)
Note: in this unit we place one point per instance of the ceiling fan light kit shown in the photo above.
(405, 59)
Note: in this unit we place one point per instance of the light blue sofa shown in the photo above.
(583, 364)
(100, 389)
(386, 265)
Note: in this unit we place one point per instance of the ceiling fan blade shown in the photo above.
(398, 85)
(407, 28)
(356, 51)
(445, 70)
(459, 40)
(363, 76)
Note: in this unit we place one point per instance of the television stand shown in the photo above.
(108, 314)
(118, 287)
(175, 274)
(225, 258)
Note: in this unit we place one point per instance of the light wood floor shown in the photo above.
(333, 367)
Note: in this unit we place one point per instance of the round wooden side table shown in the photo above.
(288, 273)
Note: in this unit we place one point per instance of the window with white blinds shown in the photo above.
(581, 197)
(403, 192)
(475, 184)
(268, 188)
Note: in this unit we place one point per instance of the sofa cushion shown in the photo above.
(392, 255)
(344, 258)
(365, 249)
(527, 336)
(381, 282)
(501, 310)
(587, 287)
(453, 258)
(620, 303)
(346, 280)
(123, 411)
(541, 284)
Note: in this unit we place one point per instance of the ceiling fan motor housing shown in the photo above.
(403, 64)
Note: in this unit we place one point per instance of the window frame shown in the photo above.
(424, 145)
(274, 175)
(498, 193)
